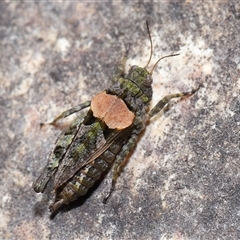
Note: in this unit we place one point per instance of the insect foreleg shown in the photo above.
(119, 72)
(120, 163)
(160, 105)
(71, 111)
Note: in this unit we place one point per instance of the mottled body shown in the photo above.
(88, 147)
(94, 142)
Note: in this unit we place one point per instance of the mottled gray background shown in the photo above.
(183, 179)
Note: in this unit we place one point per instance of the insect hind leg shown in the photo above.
(61, 146)
(119, 163)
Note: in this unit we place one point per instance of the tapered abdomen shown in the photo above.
(86, 177)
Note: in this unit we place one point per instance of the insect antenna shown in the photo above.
(149, 60)
(149, 34)
(171, 55)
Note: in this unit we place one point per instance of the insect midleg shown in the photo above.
(160, 105)
(71, 111)
(55, 157)
(120, 163)
(61, 146)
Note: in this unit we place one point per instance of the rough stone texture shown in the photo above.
(183, 179)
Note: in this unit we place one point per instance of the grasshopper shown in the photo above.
(102, 138)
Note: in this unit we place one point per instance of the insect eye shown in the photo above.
(133, 68)
(148, 80)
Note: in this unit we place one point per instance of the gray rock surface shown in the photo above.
(182, 181)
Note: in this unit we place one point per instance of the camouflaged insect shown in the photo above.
(104, 137)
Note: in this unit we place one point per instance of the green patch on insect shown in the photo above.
(102, 139)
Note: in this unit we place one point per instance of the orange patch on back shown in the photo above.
(112, 110)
